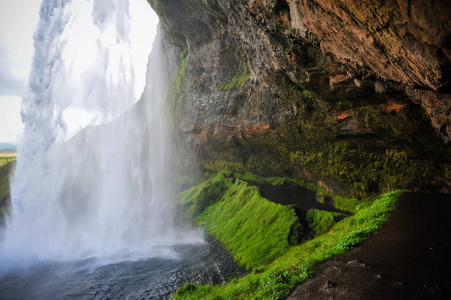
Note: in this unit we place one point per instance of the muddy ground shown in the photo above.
(410, 258)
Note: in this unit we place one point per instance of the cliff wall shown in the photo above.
(354, 95)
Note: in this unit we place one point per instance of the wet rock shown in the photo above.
(271, 76)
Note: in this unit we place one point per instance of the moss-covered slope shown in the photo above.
(253, 229)
(274, 281)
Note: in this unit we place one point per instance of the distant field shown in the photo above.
(7, 156)
(5, 170)
(8, 153)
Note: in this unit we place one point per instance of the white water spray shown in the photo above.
(103, 192)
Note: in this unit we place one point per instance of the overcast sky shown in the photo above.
(18, 19)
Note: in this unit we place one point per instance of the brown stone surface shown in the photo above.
(404, 41)
(263, 80)
(438, 106)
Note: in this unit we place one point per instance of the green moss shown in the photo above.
(175, 89)
(343, 203)
(298, 264)
(322, 221)
(261, 179)
(197, 198)
(221, 165)
(340, 202)
(348, 204)
(394, 153)
(252, 228)
(186, 288)
(363, 173)
(234, 83)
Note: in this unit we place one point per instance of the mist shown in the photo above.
(93, 176)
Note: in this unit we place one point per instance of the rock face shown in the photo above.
(354, 94)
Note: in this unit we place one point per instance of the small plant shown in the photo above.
(186, 288)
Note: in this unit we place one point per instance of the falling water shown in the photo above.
(103, 191)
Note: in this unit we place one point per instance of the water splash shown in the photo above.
(104, 191)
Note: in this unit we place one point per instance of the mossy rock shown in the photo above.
(322, 221)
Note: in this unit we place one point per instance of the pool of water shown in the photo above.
(151, 278)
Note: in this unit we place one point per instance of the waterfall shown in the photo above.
(101, 190)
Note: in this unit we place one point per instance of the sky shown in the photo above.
(18, 20)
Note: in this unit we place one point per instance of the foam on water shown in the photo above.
(104, 191)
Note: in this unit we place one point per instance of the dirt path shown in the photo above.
(410, 258)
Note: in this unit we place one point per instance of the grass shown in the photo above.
(322, 221)
(197, 198)
(5, 171)
(340, 202)
(276, 280)
(252, 228)
(6, 159)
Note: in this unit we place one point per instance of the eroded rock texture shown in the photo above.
(352, 94)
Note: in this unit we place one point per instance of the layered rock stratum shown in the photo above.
(353, 95)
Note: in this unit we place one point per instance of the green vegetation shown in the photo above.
(298, 264)
(4, 181)
(7, 158)
(376, 152)
(252, 228)
(261, 179)
(197, 198)
(234, 83)
(4, 186)
(322, 221)
(340, 202)
(362, 172)
(221, 165)
(175, 88)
